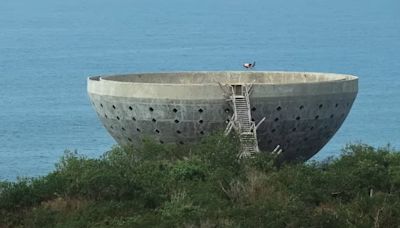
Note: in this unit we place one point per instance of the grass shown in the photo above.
(207, 186)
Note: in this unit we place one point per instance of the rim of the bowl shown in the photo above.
(110, 78)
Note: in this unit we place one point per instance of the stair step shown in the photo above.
(247, 138)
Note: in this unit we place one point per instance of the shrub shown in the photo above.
(206, 185)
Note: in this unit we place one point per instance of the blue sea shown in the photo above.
(48, 48)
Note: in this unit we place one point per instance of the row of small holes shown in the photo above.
(155, 130)
(161, 141)
(153, 120)
(279, 108)
(151, 109)
(227, 120)
(227, 110)
(288, 141)
(295, 129)
(311, 128)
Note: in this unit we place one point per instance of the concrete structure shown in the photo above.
(303, 110)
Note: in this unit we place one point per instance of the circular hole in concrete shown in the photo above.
(321, 105)
(294, 129)
(298, 118)
(137, 129)
(181, 142)
(178, 131)
(276, 119)
(253, 109)
(114, 107)
(151, 109)
(130, 108)
(278, 108)
(331, 116)
(175, 110)
(301, 107)
(154, 120)
(201, 121)
(201, 110)
(316, 117)
(133, 118)
(176, 121)
(202, 132)
(118, 118)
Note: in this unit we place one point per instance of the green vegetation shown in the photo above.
(206, 186)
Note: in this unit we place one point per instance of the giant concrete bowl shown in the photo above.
(303, 110)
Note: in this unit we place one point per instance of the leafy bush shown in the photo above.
(207, 186)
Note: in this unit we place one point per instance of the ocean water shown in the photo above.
(48, 48)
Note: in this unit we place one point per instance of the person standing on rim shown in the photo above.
(249, 65)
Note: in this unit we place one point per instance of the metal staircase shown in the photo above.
(242, 121)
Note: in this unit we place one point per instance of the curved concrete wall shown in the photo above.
(303, 110)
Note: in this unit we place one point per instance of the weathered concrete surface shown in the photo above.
(303, 110)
